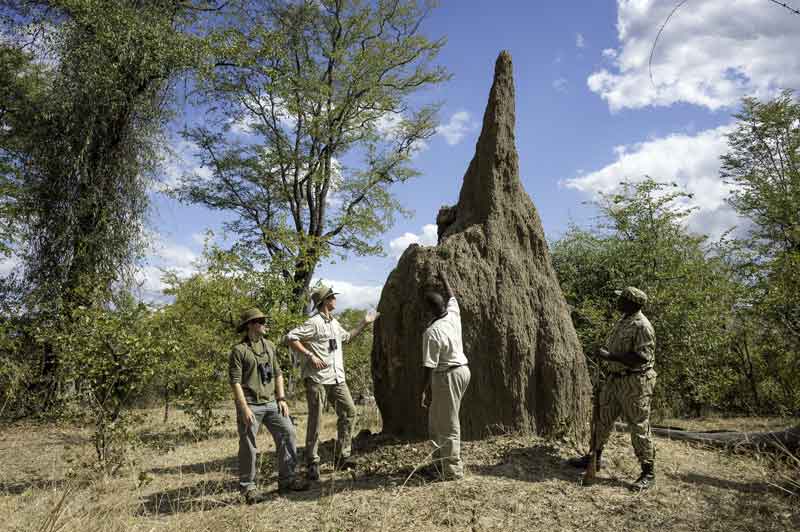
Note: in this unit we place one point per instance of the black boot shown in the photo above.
(582, 462)
(646, 480)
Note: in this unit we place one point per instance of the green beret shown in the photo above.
(633, 294)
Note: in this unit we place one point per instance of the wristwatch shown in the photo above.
(279, 399)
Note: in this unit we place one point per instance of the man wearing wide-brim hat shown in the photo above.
(319, 342)
(257, 383)
(630, 353)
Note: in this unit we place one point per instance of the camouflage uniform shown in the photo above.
(628, 391)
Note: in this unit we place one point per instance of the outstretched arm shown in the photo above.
(446, 283)
(369, 318)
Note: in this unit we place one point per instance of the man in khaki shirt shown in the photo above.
(447, 377)
(257, 383)
(319, 342)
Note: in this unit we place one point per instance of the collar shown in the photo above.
(326, 320)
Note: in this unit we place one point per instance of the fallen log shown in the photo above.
(782, 440)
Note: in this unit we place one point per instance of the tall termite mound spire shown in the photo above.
(528, 369)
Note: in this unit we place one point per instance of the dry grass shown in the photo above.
(514, 482)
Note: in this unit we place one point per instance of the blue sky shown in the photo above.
(588, 114)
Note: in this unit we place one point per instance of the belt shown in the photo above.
(451, 368)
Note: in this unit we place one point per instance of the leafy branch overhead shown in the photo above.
(320, 94)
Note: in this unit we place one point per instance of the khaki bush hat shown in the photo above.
(248, 316)
(633, 294)
(321, 293)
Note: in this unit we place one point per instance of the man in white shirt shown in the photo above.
(446, 379)
(319, 341)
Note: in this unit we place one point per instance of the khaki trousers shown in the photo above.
(447, 389)
(316, 396)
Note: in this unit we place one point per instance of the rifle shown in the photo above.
(591, 470)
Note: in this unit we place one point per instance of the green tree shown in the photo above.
(763, 166)
(642, 240)
(85, 145)
(108, 355)
(325, 89)
(79, 142)
(196, 331)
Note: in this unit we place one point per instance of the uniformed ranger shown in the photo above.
(631, 378)
(257, 383)
(319, 342)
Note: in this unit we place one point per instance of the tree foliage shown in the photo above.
(88, 82)
(763, 165)
(81, 145)
(642, 240)
(323, 89)
(197, 331)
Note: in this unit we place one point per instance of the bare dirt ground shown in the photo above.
(514, 482)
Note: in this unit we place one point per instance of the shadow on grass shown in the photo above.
(169, 440)
(538, 463)
(382, 461)
(18, 487)
(743, 487)
(205, 495)
(229, 463)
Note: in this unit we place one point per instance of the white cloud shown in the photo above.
(609, 53)
(710, 54)
(354, 296)
(389, 124)
(179, 160)
(428, 237)
(457, 127)
(8, 265)
(390, 127)
(580, 42)
(692, 161)
(560, 84)
(200, 238)
(165, 256)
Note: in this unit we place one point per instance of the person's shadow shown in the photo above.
(539, 463)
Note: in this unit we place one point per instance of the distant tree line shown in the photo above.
(726, 313)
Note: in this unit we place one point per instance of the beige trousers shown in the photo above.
(317, 395)
(447, 389)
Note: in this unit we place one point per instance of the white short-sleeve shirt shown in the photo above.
(442, 345)
(315, 334)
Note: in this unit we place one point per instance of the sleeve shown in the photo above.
(452, 307)
(644, 342)
(303, 333)
(235, 367)
(343, 333)
(430, 349)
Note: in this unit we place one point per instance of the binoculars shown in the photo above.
(265, 372)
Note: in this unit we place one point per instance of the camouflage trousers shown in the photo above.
(629, 397)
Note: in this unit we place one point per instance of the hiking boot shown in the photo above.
(294, 485)
(582, 462)
(343, 463)
(646, 480)
(312, 473)
(250, 497)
